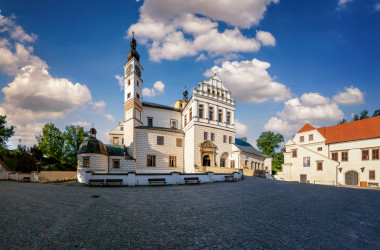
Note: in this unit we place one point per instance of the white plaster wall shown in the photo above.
(221, 147)
(293, 167)
(161, 117)
(317, 137)
(3, 173)
(98, 163)
(189, 151)
(125, 165)
(147, 145)
(252, 158)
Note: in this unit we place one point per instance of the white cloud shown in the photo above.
(266, 38)
(109, 117)
(377, 7)
(249, 81)
(241, 13)
(120, 80)
(158, 88)
(201, 57)
(2, 111)
(343, 2)
(241, 129)
(352, 96)
(81, 123)
(16, 32)
(99, 106)
(227, 57)
(176, 28)
(33, 94)
(298, 111)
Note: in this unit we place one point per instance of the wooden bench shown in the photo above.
(25, 179)
(96, 182)
(192, 180)
(229, 178)
(114, 182)
(157, 181)
(373, 184)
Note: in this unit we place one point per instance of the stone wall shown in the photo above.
(147, 145)
(218, 170)
(125, 165)
(52, 176)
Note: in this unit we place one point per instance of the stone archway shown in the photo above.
(206, 161)
(207, 148)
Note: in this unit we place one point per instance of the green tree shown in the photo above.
(51, 142)
(355, 117)
(243, 138)
(268, 142)
(26, 161)
(73, 137)
(277, 161)
(342, 121)
(376, 113)
(5, 133)
(364, 114)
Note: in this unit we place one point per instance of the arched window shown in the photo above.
(223, 159)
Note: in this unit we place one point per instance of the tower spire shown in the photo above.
(133, 52)
(185, 93)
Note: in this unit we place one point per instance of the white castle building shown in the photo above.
(344, 154)
(194, 136)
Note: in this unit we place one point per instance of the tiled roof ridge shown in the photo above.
(5, 166)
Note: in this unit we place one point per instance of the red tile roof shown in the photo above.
(5, 166)
(305, 128)
(244, 166)
(350, 131)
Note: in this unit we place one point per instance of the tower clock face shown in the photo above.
(128, 70)
(138, 71)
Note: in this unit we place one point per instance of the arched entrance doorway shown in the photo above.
(207, 154)
(351, 178)
(206, 161)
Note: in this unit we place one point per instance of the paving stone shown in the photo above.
(249, 214)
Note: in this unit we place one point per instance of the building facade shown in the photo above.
(344, 154)
(195, 134)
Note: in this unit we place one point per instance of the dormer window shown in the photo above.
(173, 123)
(302, 138)
(201, 111)
(150, 121)
(311, 137)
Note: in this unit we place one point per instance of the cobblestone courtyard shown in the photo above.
(246, 214)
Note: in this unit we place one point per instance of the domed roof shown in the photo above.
(133, 53)
(92, 145)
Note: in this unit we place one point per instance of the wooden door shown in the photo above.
(351, 178)
(303, 178)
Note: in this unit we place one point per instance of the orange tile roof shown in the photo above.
(244, 166)
(305, 128)
(351, 131)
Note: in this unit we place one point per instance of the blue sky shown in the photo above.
(286, 62)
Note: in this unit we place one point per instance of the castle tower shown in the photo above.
(132, 97)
